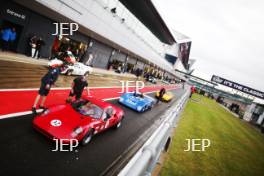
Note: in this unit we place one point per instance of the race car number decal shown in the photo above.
(55, 123)
(131, 102)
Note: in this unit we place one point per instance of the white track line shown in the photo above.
(30, 112)
(17, 114)
(62, 88)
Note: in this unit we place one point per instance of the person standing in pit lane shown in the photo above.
(161, 93)
(46, 82)
(77, 87)
(32, 44)
(39, 44)
(192, 91)
(89, 62)
(5, 38)
(12, 41)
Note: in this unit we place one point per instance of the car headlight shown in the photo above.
(77, 131)
(121, 99)
(139, 108)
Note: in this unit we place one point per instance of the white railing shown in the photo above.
(144, 161)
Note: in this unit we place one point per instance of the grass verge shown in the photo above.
(237, 149)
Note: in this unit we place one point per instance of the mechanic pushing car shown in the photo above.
(161, 93)
(78, 85)
(46, 82)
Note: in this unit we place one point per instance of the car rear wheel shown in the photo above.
(87, 138)
(69, 73)
(86, 73)
(151, 106)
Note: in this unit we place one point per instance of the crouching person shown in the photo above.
(77, 88)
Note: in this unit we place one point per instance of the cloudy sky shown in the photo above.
(227, 36)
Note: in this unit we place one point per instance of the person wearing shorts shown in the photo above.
(46, 82)
(78, 86)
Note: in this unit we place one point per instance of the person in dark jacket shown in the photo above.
(5, 38)
(12, 41)
(32, 45)
(39, 45)
(78, 86)
(161, 93)
(46, 82)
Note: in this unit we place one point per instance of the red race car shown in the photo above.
(80, 120)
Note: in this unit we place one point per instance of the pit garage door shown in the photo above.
(139, 65)
(119, 56)
(101, 54)
(132, 60)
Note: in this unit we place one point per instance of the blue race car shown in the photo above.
(137, 101)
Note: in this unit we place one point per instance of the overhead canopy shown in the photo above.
(145, 11)
(196, 77)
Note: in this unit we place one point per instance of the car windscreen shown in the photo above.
(88, 109)
(139, 95)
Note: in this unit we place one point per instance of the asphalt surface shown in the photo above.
(23, 151)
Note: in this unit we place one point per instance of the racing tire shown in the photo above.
(86, 73)
(118, 125)
(144, 109)
(69, 72)
(87, 138)
(151, 106)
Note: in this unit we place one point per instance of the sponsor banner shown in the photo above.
(238, 86)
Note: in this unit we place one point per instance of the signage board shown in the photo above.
(238, 86)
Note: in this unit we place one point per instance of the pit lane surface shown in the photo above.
(24, 151)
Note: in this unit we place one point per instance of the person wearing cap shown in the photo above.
(77, 88)
(46, 82)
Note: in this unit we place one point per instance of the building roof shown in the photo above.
(179, 37)
(191, 62)
(145, 11)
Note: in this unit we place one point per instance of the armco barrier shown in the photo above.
(144, 161)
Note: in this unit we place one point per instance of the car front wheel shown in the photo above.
(151, 106)
(118, 125)
(69, 73)
(144, 108)
(87, 138)
(86, 73)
